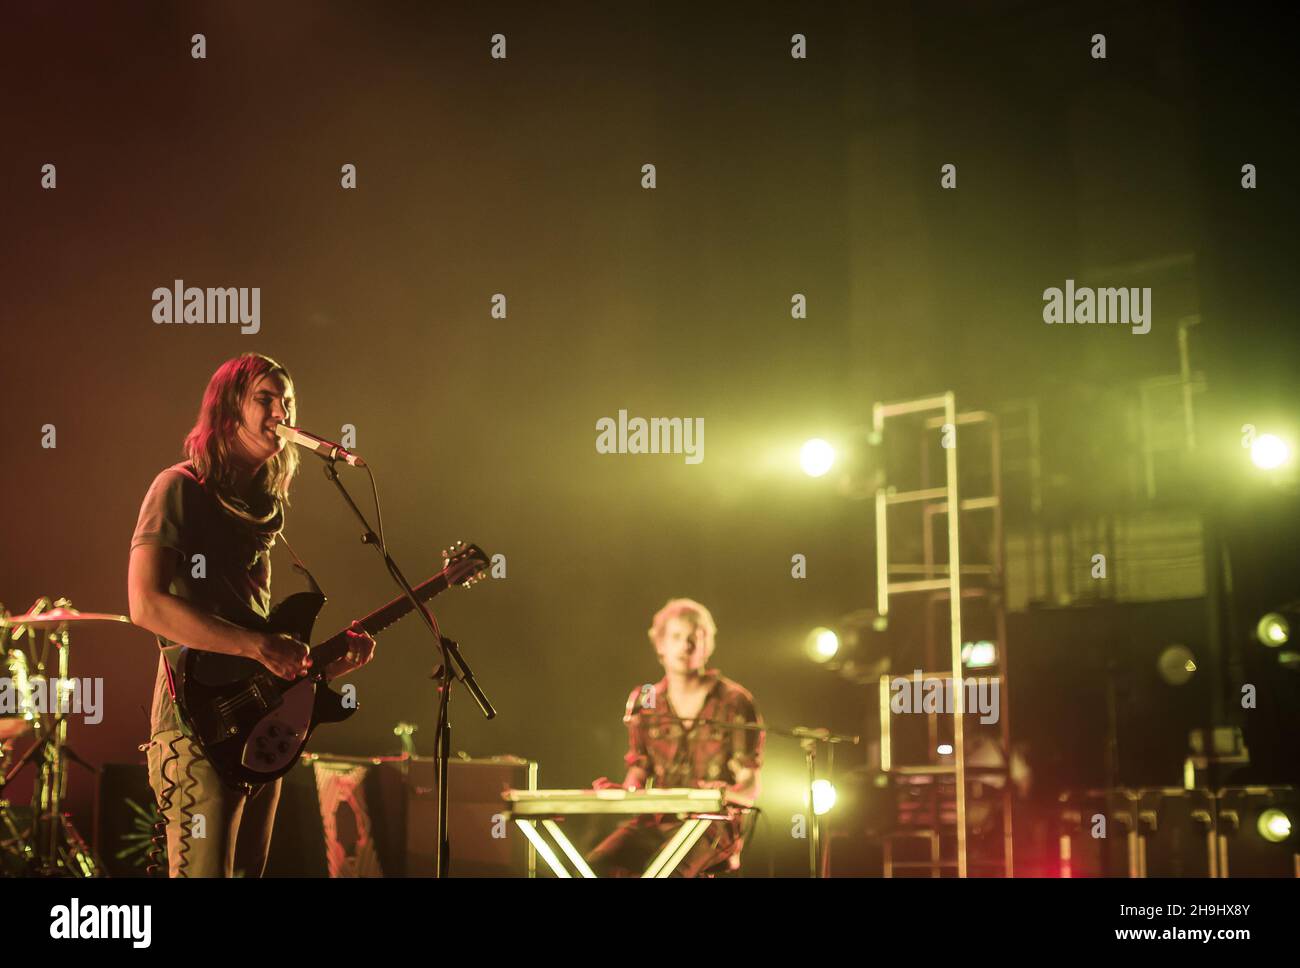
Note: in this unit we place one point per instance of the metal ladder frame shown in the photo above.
(939, 500)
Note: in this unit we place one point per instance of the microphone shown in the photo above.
(317, 445)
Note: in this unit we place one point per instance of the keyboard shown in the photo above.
(675, 800)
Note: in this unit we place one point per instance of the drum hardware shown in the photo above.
(45, 842)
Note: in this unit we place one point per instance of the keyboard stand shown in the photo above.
(667, 860)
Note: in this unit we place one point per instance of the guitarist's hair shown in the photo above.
(208, 445)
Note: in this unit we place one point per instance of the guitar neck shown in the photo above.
(336, 646)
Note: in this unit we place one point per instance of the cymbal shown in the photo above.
(57, 616)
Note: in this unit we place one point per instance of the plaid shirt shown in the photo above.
(702, 756)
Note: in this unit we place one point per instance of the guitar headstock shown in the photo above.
(464, 564)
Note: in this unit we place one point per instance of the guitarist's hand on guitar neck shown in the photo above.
(284, 655)
(361, 649)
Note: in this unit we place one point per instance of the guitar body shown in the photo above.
(252, 724)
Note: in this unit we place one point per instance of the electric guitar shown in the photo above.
(251, 724)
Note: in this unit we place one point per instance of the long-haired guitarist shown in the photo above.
(683, 732)
(200, 576)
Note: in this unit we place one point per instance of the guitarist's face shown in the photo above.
(268, 403)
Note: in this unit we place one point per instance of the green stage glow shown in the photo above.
(1273, 630)
(979, 655)
(1274, 826)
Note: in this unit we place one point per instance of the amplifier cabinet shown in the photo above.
(352, 816)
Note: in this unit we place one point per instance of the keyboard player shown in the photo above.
(676, 738)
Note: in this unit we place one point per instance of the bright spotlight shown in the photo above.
(822, 644)
(945, 749)
(979, 655)
(1269, 452)
(1273, 630)
(1274, 826)
(823, 797)
(816, 457)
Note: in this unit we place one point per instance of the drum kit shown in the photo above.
(35, 700)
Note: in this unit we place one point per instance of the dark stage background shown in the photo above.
(522, 176)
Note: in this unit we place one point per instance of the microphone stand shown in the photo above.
(453, 665)
(819, 861)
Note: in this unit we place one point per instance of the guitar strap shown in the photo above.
(299, 567)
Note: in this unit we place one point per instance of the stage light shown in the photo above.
(823, 797)
(1268, 452)
(1273, 630)
(1176, 665)
(861, 653)
(822, 644)
(1274, 825)
(945, 749)
(979, 655)
(816, 457)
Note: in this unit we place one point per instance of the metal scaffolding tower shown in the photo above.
(938, 578)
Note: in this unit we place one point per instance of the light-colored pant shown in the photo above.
(212, 829)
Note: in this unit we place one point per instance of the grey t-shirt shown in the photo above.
(232, 580)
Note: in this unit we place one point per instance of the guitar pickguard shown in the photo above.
(278, 737)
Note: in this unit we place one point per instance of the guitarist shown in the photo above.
(200, 572)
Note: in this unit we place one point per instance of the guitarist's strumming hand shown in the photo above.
(361, 649)
(284, 655)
